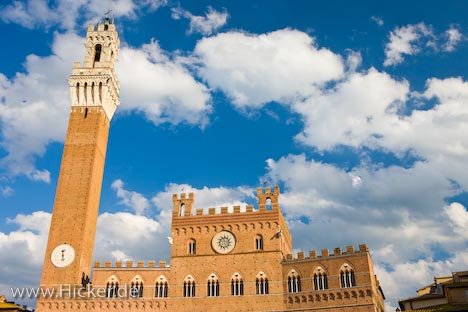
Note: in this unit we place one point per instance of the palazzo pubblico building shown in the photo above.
(220, 260)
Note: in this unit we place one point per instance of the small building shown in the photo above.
(9, 306)
(446, 293)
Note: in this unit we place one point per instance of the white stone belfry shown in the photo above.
(95, 84)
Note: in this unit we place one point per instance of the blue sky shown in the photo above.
(358, 111)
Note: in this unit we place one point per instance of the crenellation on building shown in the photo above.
(337, 252)
(363, 247)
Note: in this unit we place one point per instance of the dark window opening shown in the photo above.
(161, 289)
(112, 290)
(262, 286)
(78, 92)
(97, 53)
(85, 93)
(136, 290)
(259, 242)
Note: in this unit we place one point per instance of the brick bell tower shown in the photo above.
(94, 92)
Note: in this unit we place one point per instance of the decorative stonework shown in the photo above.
(95, 84)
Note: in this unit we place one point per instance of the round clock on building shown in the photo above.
(223, 242)
(63, 255)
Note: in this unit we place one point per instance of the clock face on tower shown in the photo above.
(63, 255)
(223, 242)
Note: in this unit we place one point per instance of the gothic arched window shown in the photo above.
(268, 204)
(100, 92)
(182, 210)
(258, 242)
(294, 282)
(136, 287)
(237, 285)
(112, 287)
(78, 92)
(97, 53)
(92, 92)
(192, 247)
(320, 279)
(261, 284)
(212, 286)
(347, 278)
(189, 286)
(161, 287)
(85, 93)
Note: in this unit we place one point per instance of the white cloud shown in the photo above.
(387, 212)
(37, 98)
(453, 36)
(413, 38)
(131, 199)
(354, 112)
(37, 222)
(205, 197)
(356, 181)
(353, 60)
(124, 235)
(68, 14)
(6, 191)
(406, 40)
(253, 70)
(206, 25)
(365, 110)
(405, 278)
(119, 255)
(28, 14)
(458, 216)
(378, 20)
(23, 251)
(161, 88)
(152, 83)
